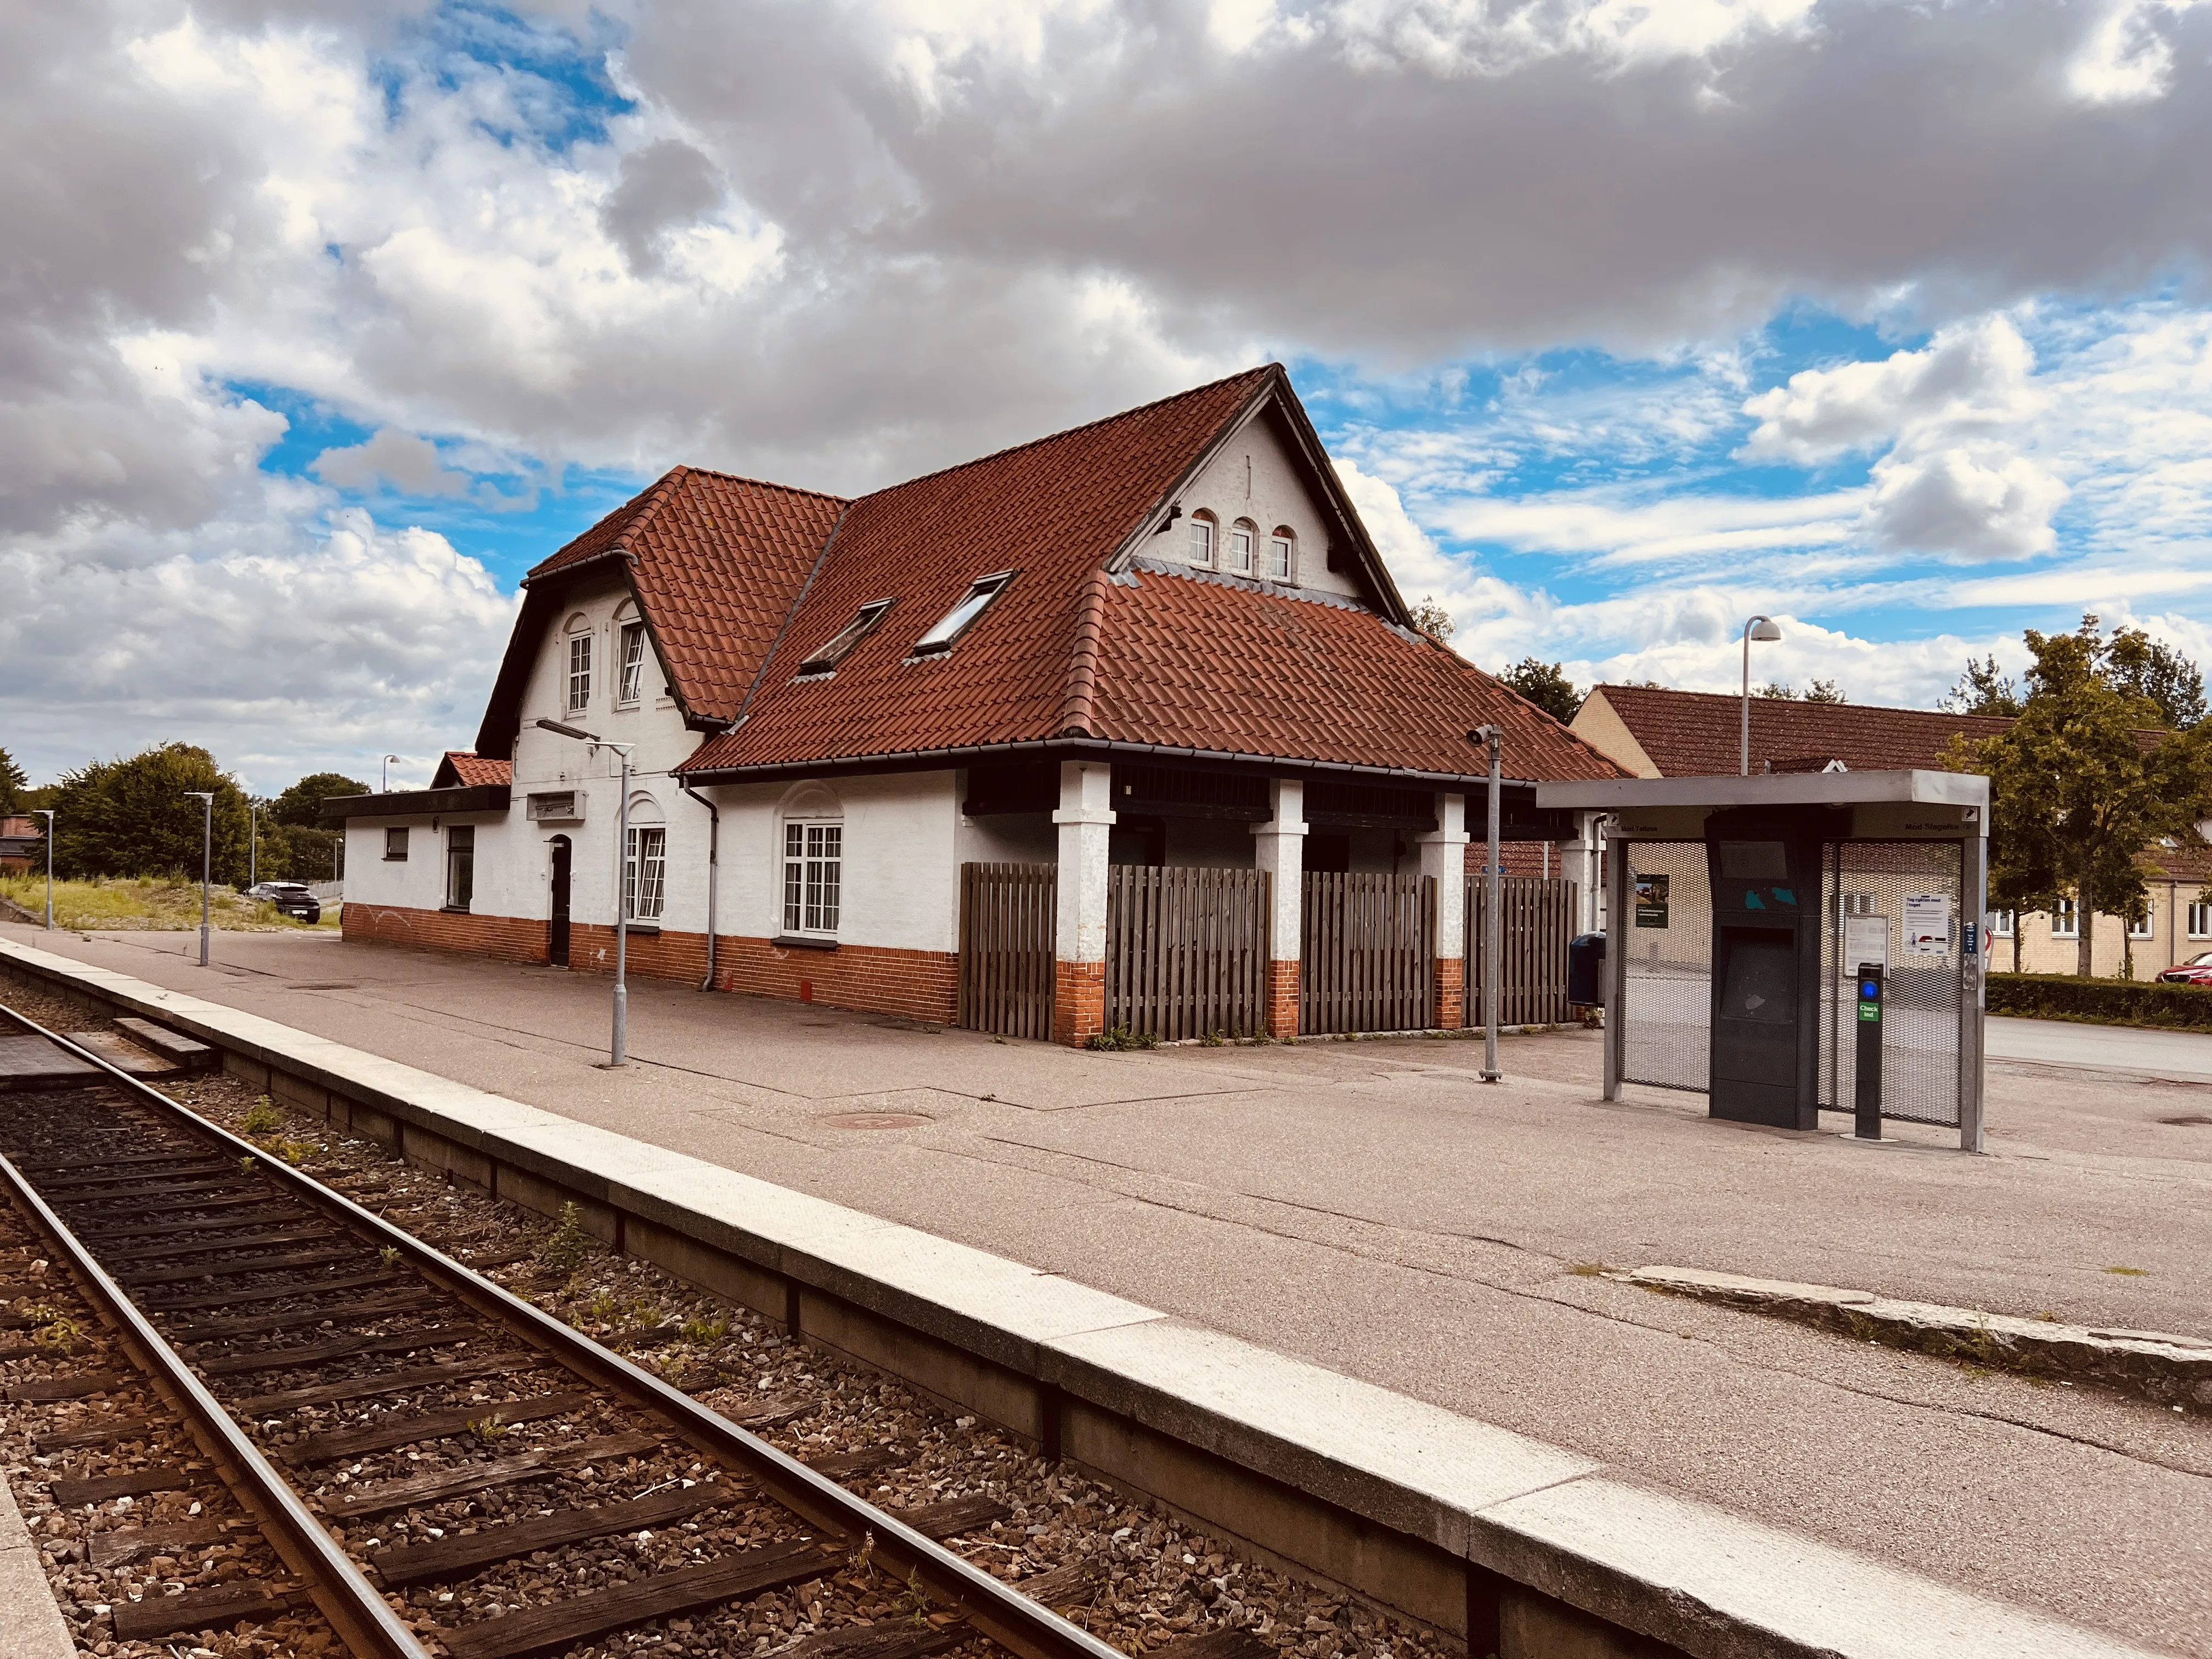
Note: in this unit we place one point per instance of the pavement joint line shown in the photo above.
(1683, 1570)
(2159, 1366)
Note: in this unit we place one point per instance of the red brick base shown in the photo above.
(916, 984)
(1078, 1001)
(1450, 980)
(1282, 1000)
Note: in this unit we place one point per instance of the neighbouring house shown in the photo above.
(1656, 734)
(22, 843)
(1127, 725)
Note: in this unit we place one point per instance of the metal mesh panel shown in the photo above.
(1667, 1013)
(1864, 881)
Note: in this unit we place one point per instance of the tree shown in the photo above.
(1777, 689)
(1818, 692)
(1984, 690)
(2078, 794)
(1547, 685)
(302, 803)
(1433, 620)
(12, 781)
(2140, 665)
(136, 818)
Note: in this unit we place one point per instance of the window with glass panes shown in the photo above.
(2001, 924)
(1201, 540)
(2200, 920)
(1243, 541)
(1279, 555)
(2062, 918)
(633, 663)
(813, 877)
(645, 872)
(579, 672)
(460, 866)
(2146, 926)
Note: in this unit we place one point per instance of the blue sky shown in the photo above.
(1622, 321)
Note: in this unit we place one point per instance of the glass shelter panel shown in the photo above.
(1900, 902)
(1666, 1011)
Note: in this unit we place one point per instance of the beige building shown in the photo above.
(1657, 733)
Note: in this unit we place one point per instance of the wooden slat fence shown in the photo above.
(1367, 942)
(1008, 912)
(1536, 919)
(1186, 951)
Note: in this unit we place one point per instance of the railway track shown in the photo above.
(400, 1430)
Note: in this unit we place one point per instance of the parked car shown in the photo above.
(294, 898)
(2197, 970)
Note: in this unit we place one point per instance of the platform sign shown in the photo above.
(1928, 925)
(1651, 901)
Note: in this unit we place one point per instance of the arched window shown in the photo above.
(1202, 531)
(1244, 547)
(580, 662)
(645, 861)
(1282, 553)
(813, 836)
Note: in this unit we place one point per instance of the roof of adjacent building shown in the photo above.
(462, 768)
(740, 582)
(1699, 734)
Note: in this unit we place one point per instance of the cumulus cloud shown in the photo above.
(407, 463)
(1953, 500)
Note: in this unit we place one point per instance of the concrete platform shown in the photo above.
(1373, 1211)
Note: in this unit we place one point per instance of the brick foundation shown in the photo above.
(1282, 1000)
(1450, 979)
(1078, 1001)
(504, 939)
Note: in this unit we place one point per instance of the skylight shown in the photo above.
(841, 645)
(950, 627)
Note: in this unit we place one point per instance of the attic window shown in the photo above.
(841, 645)
(954, 623)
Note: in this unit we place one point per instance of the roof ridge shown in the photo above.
(1069, 432)
(1737, 697)
(1078, 703)
(767, 483)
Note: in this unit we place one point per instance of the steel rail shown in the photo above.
(994, 1609)
(364, 1621)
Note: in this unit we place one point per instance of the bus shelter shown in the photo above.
(1793, 944)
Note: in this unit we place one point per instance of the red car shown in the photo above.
(2197, 970)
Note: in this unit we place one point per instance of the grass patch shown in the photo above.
(148, 904)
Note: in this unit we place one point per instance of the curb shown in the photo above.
(2155, 1365)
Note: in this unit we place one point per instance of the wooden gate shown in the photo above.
(1008, 913)
(1367, 943)
(1536, 920)
(1186, 951)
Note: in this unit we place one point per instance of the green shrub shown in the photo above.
(2101, 1002)
(1119, 1038)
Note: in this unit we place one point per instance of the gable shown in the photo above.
(1255, 480)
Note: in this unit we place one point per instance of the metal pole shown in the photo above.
(1743, 767)
(619, 1055)
(388, 759)
(1974, 901)
(47, 814)
(1493, 962)
(1619, 905)
(207, 864)
(253, 843)
(713, 871)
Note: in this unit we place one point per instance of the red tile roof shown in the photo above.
(1699, 734)
(460, 769)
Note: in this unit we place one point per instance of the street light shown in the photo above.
(386, 789)
(206, 799)
(1764, 630)
(618, 1048)
(252, 844)
(1495, 736)
(47, 813)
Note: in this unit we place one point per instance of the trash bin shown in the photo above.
(1586, 971)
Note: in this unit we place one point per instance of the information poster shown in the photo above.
(1651, 901)
(1928, 925)
(1866, 940)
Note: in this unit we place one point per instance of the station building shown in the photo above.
(889, 753)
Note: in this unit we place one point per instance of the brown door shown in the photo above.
(557, 934)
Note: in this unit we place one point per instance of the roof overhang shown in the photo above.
(1918, 788)
(421, 803)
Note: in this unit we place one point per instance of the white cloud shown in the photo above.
(1988, 504)
(407, 463)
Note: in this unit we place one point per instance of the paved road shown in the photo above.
(2111, 1048)
(1374, 1208)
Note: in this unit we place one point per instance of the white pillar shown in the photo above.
(1443, 859)
(1581, 862)
(1278, 848)
(1085, 818)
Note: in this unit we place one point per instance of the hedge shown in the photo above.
(2101, 1002)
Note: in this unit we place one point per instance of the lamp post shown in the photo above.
(252, 844)
(47, 813)
(1495, 736)
(1763, 629)
(386, 788)
(206, 799)
(618, 1048)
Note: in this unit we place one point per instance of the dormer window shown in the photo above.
(954, 623)
(841, 644)
(1244, 546)
(1282, 551)
(1202, 529)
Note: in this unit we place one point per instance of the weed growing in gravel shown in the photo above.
(912, 1602)
(264, 1118)
(1213, 1039)
(1117, 1039)
(245, 1165)
(564, 1250)
(703, 1331)
(389, 1255)
(605, 1306)
(59, 1334)
(488, 1428)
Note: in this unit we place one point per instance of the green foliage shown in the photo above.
(136, 818)
(12, 780)
(2142, 667)
(566, 1247)
(1817, 691)
(302, 805)
(2101, 1002)
(1547, 685)
(1984, 689)
(1432, 619)
(1118, 1039)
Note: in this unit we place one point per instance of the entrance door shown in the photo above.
(557, 935)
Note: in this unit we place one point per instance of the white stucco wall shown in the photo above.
(1254, 478)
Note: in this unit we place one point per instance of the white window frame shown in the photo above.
(2002, 923)
(2200, 918)
(1282, 554)
(1241, 554)
(629, 688)
(2148, 928)
(957, 621)
(579, 696)
(460, 856)
(395, 843)
(813, 877)
(841, 644)
(645, 872)
(1203, 540)
(2064, 923)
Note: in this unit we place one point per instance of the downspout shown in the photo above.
(714, 870)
